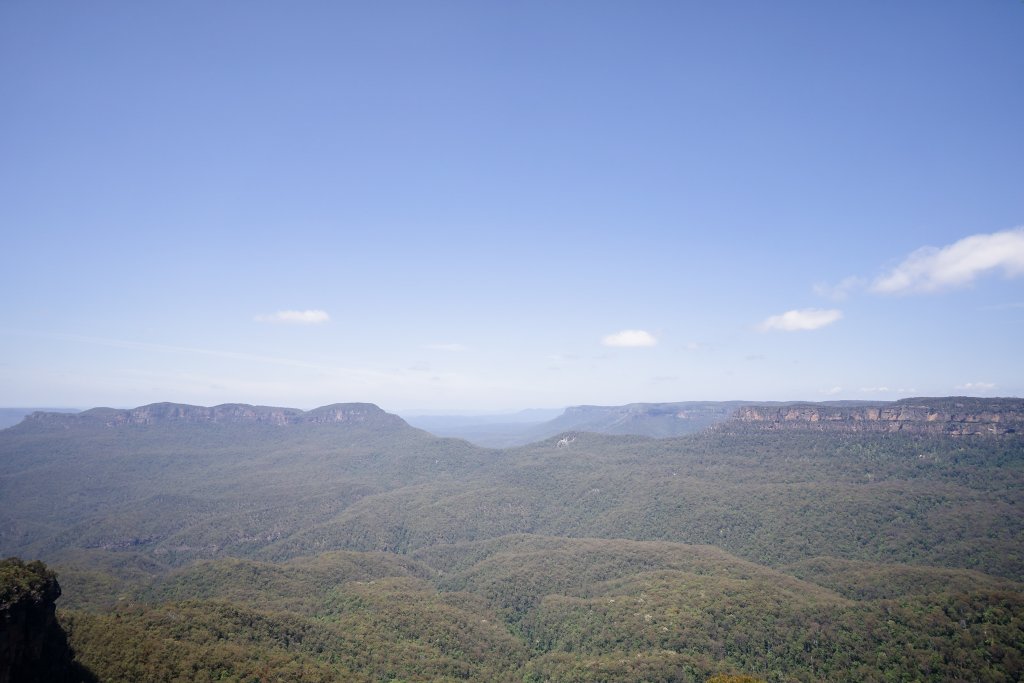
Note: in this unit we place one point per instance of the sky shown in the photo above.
(488, 206)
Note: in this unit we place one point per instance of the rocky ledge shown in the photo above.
(953, 416)
(33, 646)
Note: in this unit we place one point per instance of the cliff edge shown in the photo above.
(952, 416)
(33, 646)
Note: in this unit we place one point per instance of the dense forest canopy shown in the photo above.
(238, 544)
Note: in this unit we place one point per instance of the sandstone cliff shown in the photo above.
(33, 647)
(953, 416)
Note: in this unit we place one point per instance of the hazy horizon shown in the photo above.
(426, 412)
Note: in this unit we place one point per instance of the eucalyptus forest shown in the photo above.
(242, 543)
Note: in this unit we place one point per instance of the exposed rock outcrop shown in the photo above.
(33, 646)
(954, 416)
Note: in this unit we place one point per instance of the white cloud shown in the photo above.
(931, 269)
(886, 390)
(802, 319)
(630, 338)
(447, 347)
(294, 317)
(840, 291)
(977, 386)
(833, 391)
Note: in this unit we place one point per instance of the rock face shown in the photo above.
(228, 413)
(33, 646)
(954, 416)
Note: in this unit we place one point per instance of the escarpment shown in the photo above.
(228, 413)
(33, 646)
(954, 416)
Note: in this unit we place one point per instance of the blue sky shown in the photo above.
(489, 206)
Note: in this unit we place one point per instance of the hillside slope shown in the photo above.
(540, 608)
(179, 488)
(341, 544)
(181, 482)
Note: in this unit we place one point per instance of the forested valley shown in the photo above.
(344, 545)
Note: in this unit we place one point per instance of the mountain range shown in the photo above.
(784, 541)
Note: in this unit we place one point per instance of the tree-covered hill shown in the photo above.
(185, 489)
(953, 415)
(773, 500)
(241, 543)
(541, 608)
(178, 491)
